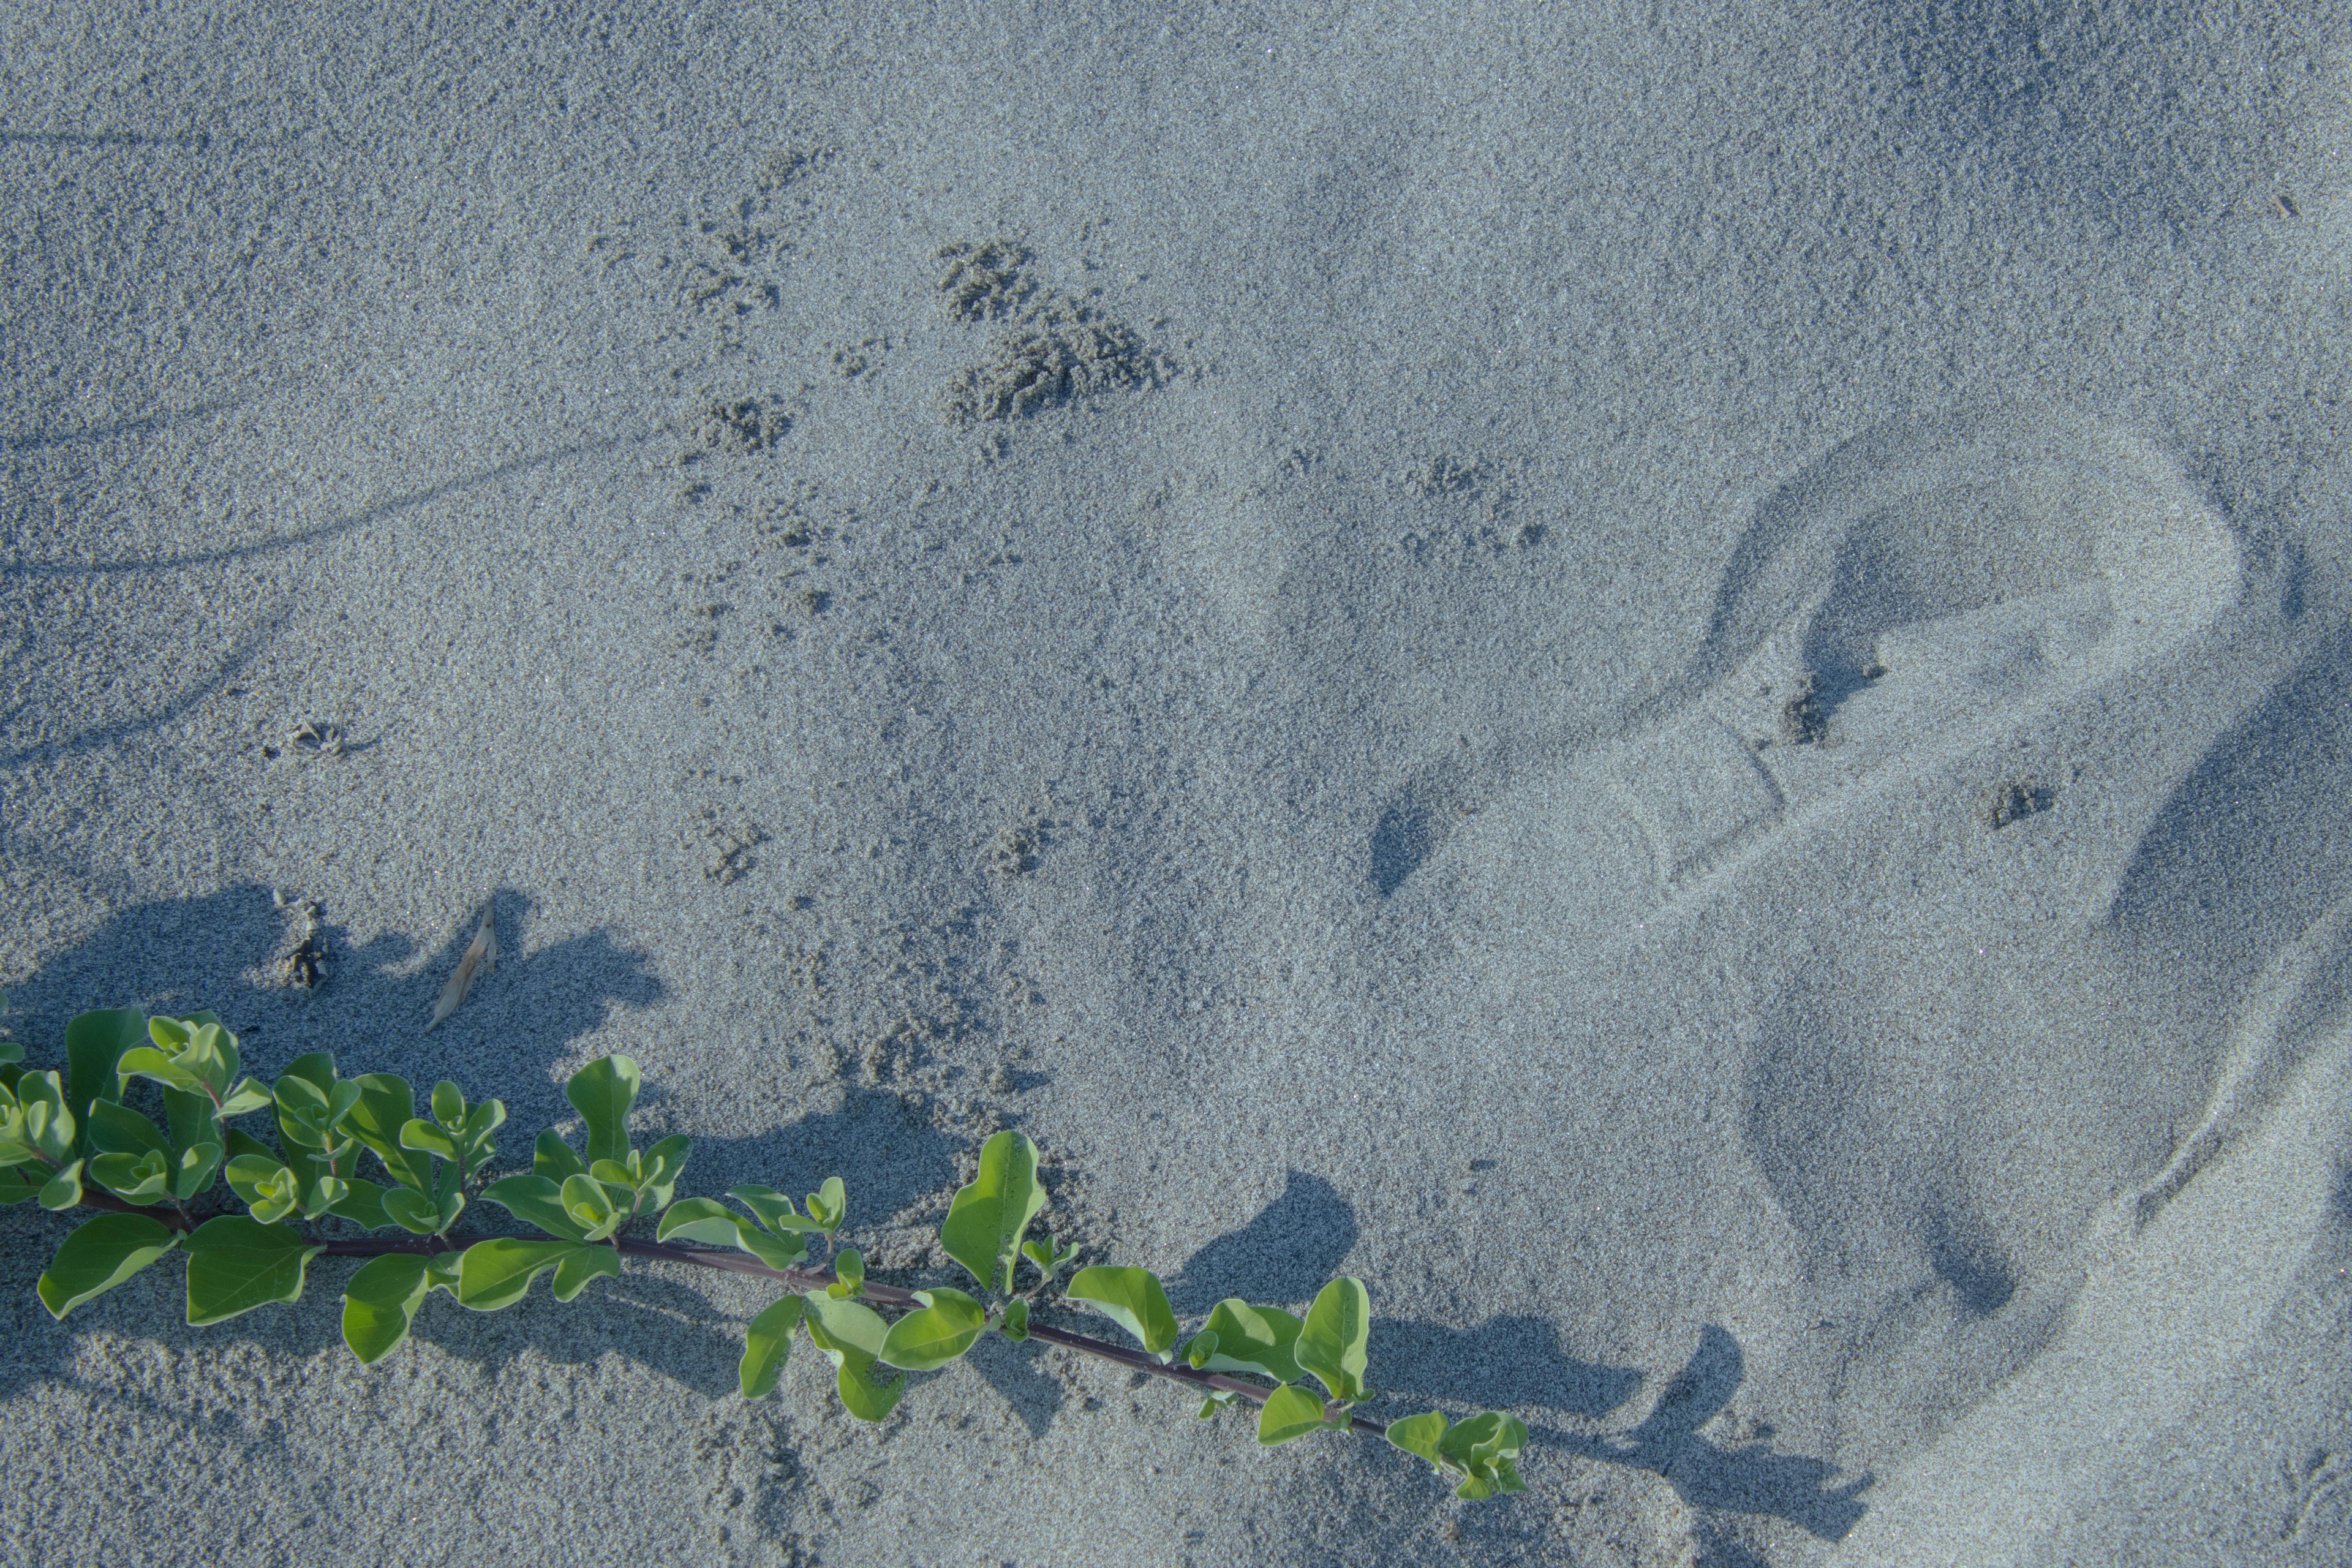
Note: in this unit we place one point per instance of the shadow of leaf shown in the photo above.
(1284, 1255)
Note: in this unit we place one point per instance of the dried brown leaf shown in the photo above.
(481, 958)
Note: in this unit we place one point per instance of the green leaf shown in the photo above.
(590, 1204)
(1252, 1338)
(984, 1223)
(245, 1098)
(1419, 1434)
(1290, 1411)
(497, 1274)
(1132, 1298)
(662, 1164)
(1049, 1257)
(380, 1301)
(766, 1345)
(709, 1220)
(1331, 1345)
(1015, 1326)
(850, 1336)
(849, 1274)
(583, 1264)
(945, 1327)
(828, 1205)
(16, 1187)
(116, 1129)
(385, 1105)
(1484, 1450)
(424, 1138)
(63, 1191)
(362, 1205)
(1199, 1348)
(141, 1179)
(448, 1104)
(195, 1170)
(48, 1124)
(236, 1264)
(536, 1200)
(775, 1211)
(318, 1067)
(602, 1092)
(412, 1211)
(95, 1041)
(147, 1062)
(552, 1157)
(248, 1173)
(100, 1254)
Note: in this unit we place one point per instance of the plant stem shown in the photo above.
(797, 1279)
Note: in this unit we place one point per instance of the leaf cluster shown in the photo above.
(138, 1126)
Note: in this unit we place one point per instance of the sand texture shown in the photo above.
(1676, 682)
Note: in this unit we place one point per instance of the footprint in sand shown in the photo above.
(1923, 582)
(1960, 1031)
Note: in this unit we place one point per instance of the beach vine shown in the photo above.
(75, 1141)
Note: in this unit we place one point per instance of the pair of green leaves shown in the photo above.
(235, 1264)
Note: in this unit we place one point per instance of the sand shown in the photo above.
(1673, 681)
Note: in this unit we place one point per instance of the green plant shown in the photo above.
(75, 1141)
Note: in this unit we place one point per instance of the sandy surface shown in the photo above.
(1674, 683)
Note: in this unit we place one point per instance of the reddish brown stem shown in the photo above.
(796, 1280)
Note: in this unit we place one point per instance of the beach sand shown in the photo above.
(1673, 681)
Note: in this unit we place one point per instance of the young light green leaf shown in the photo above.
(1218, 1399)
(1289, 1412)
(850, 1336)
(942, 1329)
(766, 1345)
(1015, 1323)
(248, 1173)
(63, 1191)
(100, 1254)
(1484, 1450)
(1252, 1338)
(245, 1098)
(536, 1200)
(424, 1138)
(553, 1158)
(985, 1222)
(590, 1207)
(829, 1205)
(381, 1302)
(1331, 1345)
(236, 1264)
(849, 1274)
(658, 1171)
(1419, 1434)
(448, 1103)
(1132, 1298)
(51, 1125)
(602, 1092)
(147, 1062)
(1049, 1257)
(142, 1179)
(497, 1273)
(775, 1210)
(1199, 1348)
